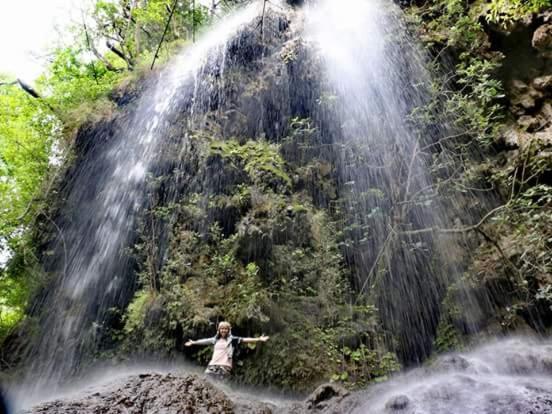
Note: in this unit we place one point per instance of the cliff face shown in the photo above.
(258, 233)
(500, 64)
(242, 227)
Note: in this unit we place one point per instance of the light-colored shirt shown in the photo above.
(220, 354)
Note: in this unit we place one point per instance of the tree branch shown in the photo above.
(376, 261)
(456, 230)
(263, 16)
(29, 89)
(98, 55)
(119, 53)
(165, 33)
(24, 86)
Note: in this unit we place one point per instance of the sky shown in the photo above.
(28, 28)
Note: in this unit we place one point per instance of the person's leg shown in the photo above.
(218, 372)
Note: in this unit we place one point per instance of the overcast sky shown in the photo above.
(28, 28)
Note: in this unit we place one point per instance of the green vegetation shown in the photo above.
(507, 12)
(260, 160)
(255, 250)
(514, 240)
(28, 135)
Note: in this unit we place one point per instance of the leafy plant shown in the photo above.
(261, 160)
(506, 12)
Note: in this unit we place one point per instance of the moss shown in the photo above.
(260, 159)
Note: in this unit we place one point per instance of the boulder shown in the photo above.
(542, 38)
(397, 403)
(543, 83)
(452, 363)
(325, 395)
(155, 393)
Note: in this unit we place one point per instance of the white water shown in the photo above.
(512, 376)
(375, 94)
(376, 78)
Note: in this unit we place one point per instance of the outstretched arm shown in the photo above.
(206, 341)
(262, 338)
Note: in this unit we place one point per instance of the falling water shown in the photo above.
(106, 195)
(376, 79)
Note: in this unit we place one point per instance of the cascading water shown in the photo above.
(106, 195)
(507, 377)
(376, 79)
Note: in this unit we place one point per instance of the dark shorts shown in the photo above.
(218, 371)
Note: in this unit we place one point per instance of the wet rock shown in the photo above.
(513, 138)
(543, 83)
(546, 112)
(155, 393)
(544, 137)
(398, 403)
(255, 242)
(518, 87)
(452, 362)
(326, 394)
(528, 123)
(523, 97)
(542, 38)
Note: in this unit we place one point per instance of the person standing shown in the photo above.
(225, 345)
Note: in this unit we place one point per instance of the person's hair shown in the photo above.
(224, 324)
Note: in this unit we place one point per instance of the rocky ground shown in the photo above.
(155, 393)
(171, 393)
(184, 394)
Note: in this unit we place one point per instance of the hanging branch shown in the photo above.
(27, 88)
(24, 86)
(8, 83)
(98, 55)
(119, 53)
(31, 91)
(459, 229)
(164, 34)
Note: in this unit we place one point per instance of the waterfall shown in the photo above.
(376, 78)
(107, 192)
(352, 76)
